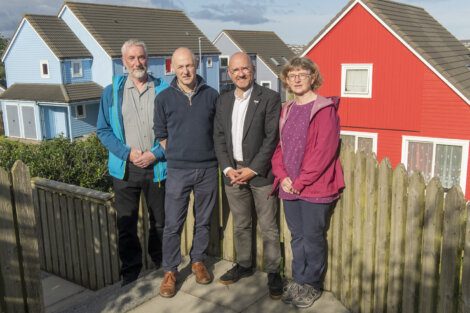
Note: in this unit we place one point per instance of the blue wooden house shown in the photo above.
(57, 66)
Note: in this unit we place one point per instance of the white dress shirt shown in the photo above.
(240, 107)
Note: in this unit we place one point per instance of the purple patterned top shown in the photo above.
(294, 141)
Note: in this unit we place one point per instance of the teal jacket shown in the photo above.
(110, 130)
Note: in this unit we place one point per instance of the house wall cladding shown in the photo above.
(408, 99)
(86, 125)
(102, 69)
(22, 63)
(86, 71)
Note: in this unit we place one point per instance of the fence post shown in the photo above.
(413, 235)
(432, 232)
(397, 239)
(382, 251)
(451, 251)
(466, 265)
(369, 235)
(11, 289)
(28, 236)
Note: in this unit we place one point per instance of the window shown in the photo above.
(80, 111)
(356, 80)
(443, 158)
(223, 61)
(209, 62)
(44, 68)
(77, 70)
(266, 83)
(168, 69)
(361, 141)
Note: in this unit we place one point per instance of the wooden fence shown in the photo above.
(395, 244)
(20, 277)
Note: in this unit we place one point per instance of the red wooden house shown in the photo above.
(404, 81)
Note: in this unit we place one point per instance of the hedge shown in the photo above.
(81, 162)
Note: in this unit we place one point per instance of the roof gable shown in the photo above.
(265, 44)
(58, 36)
(162, 30)
(428, 40)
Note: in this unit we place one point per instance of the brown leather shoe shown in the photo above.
(201, 273)
(168, 286)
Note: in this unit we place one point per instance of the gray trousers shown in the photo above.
(241, 200)
(179, 184)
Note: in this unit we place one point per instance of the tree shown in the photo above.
(3, 45)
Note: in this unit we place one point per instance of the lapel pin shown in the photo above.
(256, 101)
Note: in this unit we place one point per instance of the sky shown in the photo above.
(296, 22)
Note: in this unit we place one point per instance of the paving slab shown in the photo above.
(236, 297)
(326, 304)
(181, 303)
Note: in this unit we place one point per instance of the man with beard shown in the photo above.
(184, 116)
(136, 160)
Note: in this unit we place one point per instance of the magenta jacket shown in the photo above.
(321, 174)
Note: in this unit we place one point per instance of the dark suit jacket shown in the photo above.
(260, 133)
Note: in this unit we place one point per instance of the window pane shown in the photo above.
(168, 65)
(348, 140)
(45, 69)
(223, 62)
(80, 110)
(76, 68)
(364, 144)
(420, 158)
(448, 164)
(356, 81)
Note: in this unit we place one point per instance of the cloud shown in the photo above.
(235, 11)
(168, 4)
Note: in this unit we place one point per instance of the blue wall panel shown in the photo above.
(86, 71)
(22, 63)
(84, 126)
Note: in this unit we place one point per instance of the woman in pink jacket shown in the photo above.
(308, 175)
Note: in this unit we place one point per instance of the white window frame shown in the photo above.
(41, 63)
(220, 60)
(209, 62)
(442, 141)
(359, 66)
(84, 112)
(264, 82)
(373, 136)
(80, 74)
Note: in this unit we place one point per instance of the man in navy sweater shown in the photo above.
(183, 123)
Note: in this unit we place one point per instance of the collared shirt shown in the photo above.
(238, 120)
(137, 114)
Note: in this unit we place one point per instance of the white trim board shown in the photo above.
(442, 141)
(414, 52)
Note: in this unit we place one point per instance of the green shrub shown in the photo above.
(81, 162)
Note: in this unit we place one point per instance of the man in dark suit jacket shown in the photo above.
(245, 137)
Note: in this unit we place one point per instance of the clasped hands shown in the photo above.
(240, 176)
(141, 159)
(286, 185)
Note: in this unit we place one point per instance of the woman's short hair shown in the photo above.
(304, 63)
(133, 42)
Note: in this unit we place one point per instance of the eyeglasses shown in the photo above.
(236, 71)
(301, 76)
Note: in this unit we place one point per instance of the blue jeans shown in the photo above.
(308, 223)
(179, 184)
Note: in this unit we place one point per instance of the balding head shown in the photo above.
(184, 65)
(241, 71)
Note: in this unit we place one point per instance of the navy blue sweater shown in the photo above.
(188, 124)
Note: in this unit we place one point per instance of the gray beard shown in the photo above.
(139, 73)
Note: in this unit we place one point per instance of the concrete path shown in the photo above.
(249, 295)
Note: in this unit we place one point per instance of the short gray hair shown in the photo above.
(133, 42)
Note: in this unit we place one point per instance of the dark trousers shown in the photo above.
(127, 197)
(308, 224)
(179, 184)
